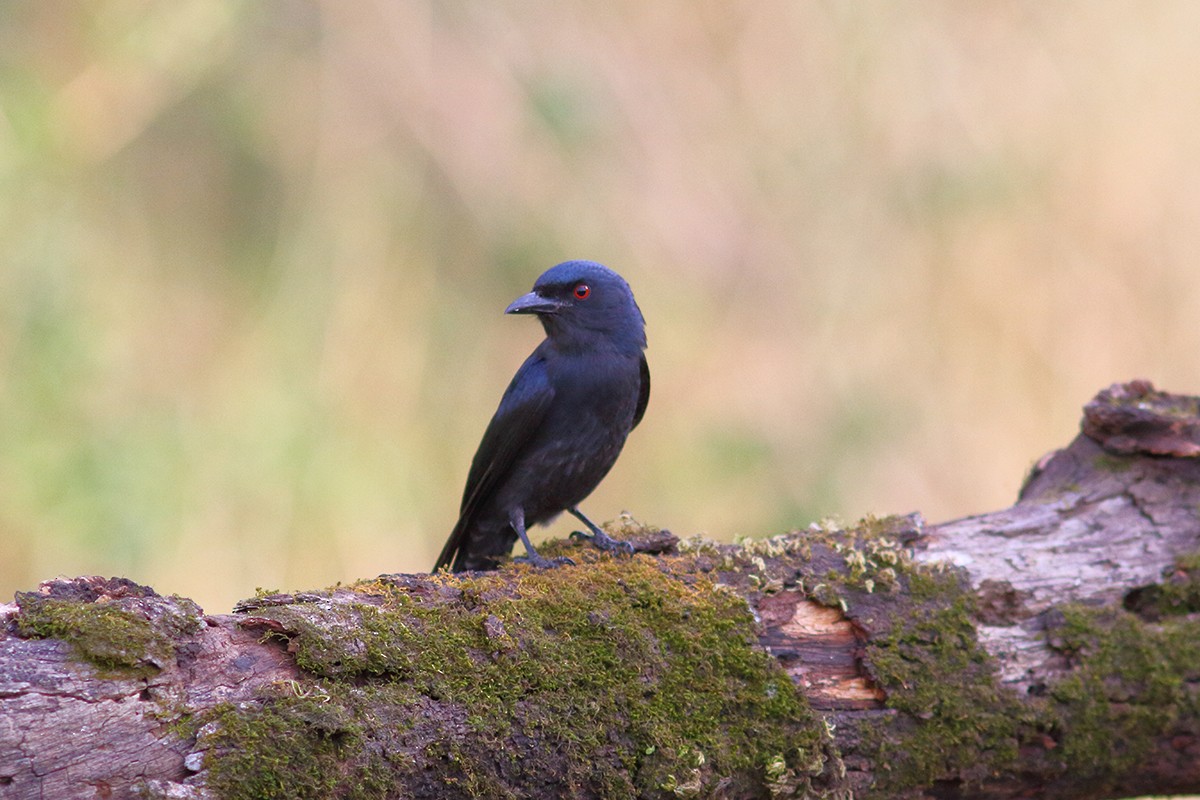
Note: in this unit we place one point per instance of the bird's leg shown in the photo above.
(598, 537)
(517, 520)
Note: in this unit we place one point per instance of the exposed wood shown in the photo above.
(1102, 543)
(820, 648)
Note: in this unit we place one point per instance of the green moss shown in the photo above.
(640, 678)
(1179, 592)
(107, 635)
(292, 748)
(955, 719)
(1129, 686)
(952, 717)
(1108, 462)
(632, 681)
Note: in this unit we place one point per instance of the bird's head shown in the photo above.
(584, 303)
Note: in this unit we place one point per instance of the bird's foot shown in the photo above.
(541, 562)
(603, 541)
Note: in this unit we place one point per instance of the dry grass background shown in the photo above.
(253, 259)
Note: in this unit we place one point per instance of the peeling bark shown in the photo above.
(1044, 650)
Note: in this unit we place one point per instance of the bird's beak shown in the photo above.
(532, 303)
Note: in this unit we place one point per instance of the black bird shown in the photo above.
(562, 421)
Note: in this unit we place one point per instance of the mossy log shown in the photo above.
(1051, 649)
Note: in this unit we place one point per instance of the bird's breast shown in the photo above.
(580, 437)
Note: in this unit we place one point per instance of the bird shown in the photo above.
(561, 422)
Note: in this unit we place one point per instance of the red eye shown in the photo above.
(582, 290)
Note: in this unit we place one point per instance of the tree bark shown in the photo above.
(1050, 649)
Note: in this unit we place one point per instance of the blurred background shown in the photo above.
(254, 257)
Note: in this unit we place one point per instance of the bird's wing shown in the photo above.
(521, 412)
(643, 393)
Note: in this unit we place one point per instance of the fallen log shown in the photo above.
(1051, 649)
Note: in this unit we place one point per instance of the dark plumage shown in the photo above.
(563, 419)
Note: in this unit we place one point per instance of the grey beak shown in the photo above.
(532, 303)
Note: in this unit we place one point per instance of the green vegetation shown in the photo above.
(1129, 687)
(112, 636)
(955, 717)
(620, 672)
(1178, 593)
(1111, 462)
(294, 747)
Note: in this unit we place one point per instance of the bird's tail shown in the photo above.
(451, 549)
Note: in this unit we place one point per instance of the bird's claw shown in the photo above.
(604, 542)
